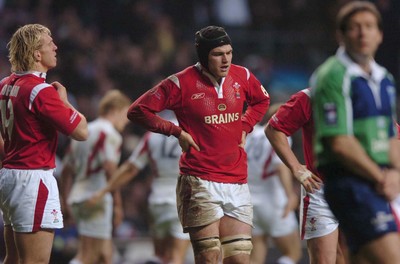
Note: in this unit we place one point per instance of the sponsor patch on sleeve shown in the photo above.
(330, 114)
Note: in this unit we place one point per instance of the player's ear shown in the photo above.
(37, 55)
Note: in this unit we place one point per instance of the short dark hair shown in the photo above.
(207, 39)
(351, 8)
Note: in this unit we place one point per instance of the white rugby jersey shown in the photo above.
(87, 158)
(162, 153)
(262, 160)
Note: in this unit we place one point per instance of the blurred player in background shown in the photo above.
(208, 98)
(162, 154)
(86, 168)
(318, 224)
(32, 112)
(274, 199)
(354, 106)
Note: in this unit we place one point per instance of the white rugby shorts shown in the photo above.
(268, 205)
(96, 221)
(202, 202)
(316, 218)
(29, 200)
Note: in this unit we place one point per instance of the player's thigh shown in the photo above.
(198, 203)
(260, 249)
(211, 230)
(91, 248)
(11, 250)
(35, 247)
(288, 244)
(230, 226)
(323, 249)
(384, 249)
(179, 250)
(107, 252)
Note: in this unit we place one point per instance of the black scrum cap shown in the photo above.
(207, 39)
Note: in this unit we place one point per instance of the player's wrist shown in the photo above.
(176, 131)
(303, 174)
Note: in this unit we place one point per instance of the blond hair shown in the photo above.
(113, 100)
(24, 42)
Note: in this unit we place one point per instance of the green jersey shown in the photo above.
(348, 101)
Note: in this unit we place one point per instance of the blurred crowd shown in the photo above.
(132, 44)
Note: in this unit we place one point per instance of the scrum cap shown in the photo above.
(207, 39)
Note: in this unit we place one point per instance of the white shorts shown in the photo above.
(316, 218)
(94, 221)
(268, 206)
(395, 204)
(165, 222)
(29, 200)
(202, 202)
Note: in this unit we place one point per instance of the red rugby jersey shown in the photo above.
(31, 114)
(214, 119)
(293, 115)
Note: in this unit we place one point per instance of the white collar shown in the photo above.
(377, 71)
(36, 73)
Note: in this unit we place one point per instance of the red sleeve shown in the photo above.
(50, 108)
(143, 110)
(257, 104)
(293, 114)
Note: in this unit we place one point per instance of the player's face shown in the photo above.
(219, 61)
(362, 36)
(48, 53)
(122, 121)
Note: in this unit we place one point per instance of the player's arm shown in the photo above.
(67, 178)
(287, 183)
(392, 179)
(80, 132)
(280, 143)
(110, 168)
(351, 154)
(143, 110)
(120, 177)
(391, 186)
(258, 102)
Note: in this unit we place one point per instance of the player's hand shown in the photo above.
(309, 180)
(95, 199)
(390, 186)
(186, 142)
(291, 205)
(118, 215)
(243, 142)
(62, 91)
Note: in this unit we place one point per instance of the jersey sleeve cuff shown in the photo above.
(247, 127)
(176, 131)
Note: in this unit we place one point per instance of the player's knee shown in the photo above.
(235, 245)
(206, 244)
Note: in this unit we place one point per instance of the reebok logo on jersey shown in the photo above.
(221, 118)
(198, 96)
